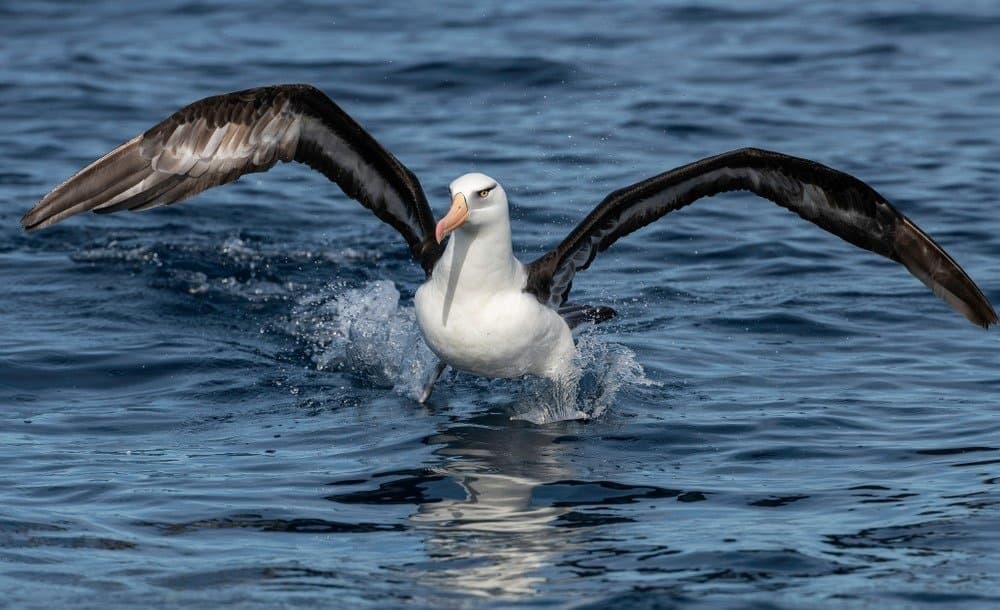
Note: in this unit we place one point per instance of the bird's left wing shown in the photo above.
(218, 139)
(833, 200)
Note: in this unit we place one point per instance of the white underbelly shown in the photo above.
(506, 335)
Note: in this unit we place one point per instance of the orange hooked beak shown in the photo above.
(455, 217)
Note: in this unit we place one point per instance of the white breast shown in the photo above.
(495, 333)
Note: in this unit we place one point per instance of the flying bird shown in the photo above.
(480, 310)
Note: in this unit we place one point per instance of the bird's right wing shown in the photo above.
(218, 139)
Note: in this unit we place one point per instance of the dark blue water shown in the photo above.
(194, 412)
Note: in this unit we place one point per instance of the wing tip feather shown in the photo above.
(926, 260)
(99, 180)
(28, 224)
(44, 214)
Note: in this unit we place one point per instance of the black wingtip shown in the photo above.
(931, 265)
(31, 222)
(990, 319)
(600, 313)
(577, 315)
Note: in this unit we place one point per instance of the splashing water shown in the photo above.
(601, 370)
(366, 331)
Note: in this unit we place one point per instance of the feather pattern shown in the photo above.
(833, 200)
(218, 139)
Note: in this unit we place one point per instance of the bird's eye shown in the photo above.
(483, 194)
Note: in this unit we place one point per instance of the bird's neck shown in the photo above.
(479, 260)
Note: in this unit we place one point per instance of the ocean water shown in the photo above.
(210, 404)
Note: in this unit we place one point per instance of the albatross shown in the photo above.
(480, 310)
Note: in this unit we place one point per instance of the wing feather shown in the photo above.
(218, 139)
(833, 200)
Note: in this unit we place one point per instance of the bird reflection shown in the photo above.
(494, 540)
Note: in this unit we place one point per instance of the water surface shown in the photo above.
(193, 411)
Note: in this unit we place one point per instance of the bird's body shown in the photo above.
(480, 309)
(474, 311)
(503, 332)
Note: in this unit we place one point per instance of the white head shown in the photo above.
(476, 201)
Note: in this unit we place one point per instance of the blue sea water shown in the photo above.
(209, 404)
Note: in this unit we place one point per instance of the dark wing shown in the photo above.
(837, 202)
(218, 139)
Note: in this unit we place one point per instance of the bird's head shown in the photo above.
(476, 201)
